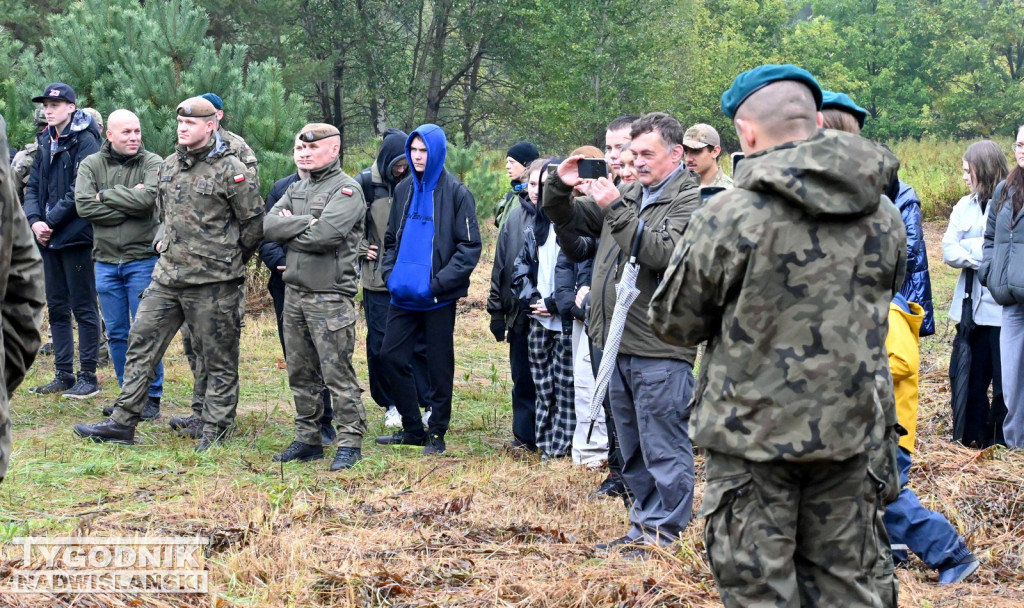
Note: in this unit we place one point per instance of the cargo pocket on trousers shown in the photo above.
(732, 518)
(340, 317)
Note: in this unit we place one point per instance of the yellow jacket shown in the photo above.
(904, 360)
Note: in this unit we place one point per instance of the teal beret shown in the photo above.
(751, 81)
(831, 100)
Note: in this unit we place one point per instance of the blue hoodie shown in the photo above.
(409, 282)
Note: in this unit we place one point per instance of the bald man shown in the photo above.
(788, 277)
(116, 193)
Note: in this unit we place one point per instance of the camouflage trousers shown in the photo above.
(319, 337)
(196, 364)
(792, 535)
(213, 313)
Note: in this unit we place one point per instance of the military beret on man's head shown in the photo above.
(214, 99)
(831, 100)
(315, 131)
(196, 107)
(751, 81)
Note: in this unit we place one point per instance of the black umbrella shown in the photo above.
(960, 360)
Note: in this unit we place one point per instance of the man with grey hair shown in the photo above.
(652, 382)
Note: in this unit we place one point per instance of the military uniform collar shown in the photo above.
(319, 175)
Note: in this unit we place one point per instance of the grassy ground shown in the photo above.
(476, 527)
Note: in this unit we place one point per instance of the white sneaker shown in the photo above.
(392, 419)
(426, 417)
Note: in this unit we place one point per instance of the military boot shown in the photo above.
(191, 426)
(212, 438)
(303, 452)
(346, 458)
(107, 431)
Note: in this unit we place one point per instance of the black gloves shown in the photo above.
(498, 329)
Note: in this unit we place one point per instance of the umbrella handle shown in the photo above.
(590, 431)
(634, 249)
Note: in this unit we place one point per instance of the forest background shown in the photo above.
(933, 74)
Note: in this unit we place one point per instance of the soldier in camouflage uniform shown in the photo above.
(192, 425)
(789, 277)
(320, 221)
(703, 146)
(21, 165)
(213, 218)
(21, 298)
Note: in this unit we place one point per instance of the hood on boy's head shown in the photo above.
(437, 149)
(392, 148)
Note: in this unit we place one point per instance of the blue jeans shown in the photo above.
(120, 288)
(927, 533)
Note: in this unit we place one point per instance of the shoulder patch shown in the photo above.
(346, 191)
(239, 178)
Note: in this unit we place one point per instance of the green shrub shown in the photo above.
(933, 167)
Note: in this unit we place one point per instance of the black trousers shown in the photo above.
(984, 420)
(70, 283)
(276, 288)
(434, 328)
(376, 305)
(524, 394)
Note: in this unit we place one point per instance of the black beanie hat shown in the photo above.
(523, 153)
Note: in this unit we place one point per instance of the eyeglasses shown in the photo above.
(1017, 146)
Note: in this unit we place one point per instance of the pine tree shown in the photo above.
(118, 54)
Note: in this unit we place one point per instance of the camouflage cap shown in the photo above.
(196, 107)
(700, 136)
(831, 100)
(95, 115)
(39, 117)
(751, 81)
(315, 131)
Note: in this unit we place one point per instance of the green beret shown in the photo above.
(196, 107)
(841, 101)
(751, 81)
(315, 131)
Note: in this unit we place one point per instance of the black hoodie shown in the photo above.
(378, 189)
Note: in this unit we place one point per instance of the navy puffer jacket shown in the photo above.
(917, 286)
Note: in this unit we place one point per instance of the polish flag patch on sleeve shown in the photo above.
(346, 191)
(239, 178)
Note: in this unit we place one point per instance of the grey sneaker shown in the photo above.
(86, 387)
(60, 383)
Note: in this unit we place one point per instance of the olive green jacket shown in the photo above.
(323, 233)
(125, 218)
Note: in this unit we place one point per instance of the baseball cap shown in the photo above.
(57, 90)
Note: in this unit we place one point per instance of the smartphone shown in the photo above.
(593, 168)
(736, 157)
(707, 192)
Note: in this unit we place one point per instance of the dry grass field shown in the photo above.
(476, 527)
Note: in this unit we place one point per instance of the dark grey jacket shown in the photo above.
(1002, 266)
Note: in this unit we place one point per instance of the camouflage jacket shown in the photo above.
(21, 298)
(124, 218)
(664, 221)
(321, 254)
(21, 166)
(721, 180)
(789, 277)
(242, 151)
(212, 217)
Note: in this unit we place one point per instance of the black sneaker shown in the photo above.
(191, 426)
(109, 410)
(60, 383)
(609, 487)
(46, 349)
(622, 543)
(152, 409)
(435, 445)
(303, 452)
(327, 434)
(401, 438)
(85, 387)
(107, 431)
(346, 458)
